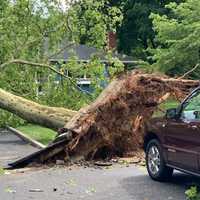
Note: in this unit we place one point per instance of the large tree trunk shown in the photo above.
(50, 117)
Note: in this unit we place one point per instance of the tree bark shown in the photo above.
(50, 117)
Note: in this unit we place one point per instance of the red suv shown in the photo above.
(173, 141)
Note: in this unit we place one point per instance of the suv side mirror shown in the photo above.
(171, 113)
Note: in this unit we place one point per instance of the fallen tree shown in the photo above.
(111, 125)
(50, 117)
(114, 123)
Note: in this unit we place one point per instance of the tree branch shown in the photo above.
(43, 65)
(60, 50)
(190, 71)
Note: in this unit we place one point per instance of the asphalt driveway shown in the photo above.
(117, 182)
(12, 147)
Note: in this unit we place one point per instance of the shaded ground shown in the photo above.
(12, 147)
(119, 182)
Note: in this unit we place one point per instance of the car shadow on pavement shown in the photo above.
(141, 187)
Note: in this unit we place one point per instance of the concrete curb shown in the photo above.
(26, 138)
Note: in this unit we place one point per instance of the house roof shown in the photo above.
(84, 54)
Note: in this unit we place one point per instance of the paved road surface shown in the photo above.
(118, 183)
(12, 147)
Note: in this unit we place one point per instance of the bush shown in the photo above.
(193, 193)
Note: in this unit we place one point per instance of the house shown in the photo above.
(84, 54)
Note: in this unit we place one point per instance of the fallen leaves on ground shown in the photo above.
(91, 190)
(10, 190)
(71, 182)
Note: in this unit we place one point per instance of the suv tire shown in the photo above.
(155, 163)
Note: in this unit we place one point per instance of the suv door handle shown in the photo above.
(194, 127)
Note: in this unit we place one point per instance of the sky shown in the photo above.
(64, 4)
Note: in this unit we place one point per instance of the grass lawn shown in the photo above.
(38, 133)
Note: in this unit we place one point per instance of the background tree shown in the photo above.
(178, 36)
(93, 19)
(136, 33)
(33, 31)
(24, 26)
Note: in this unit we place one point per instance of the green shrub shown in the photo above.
(193, 193)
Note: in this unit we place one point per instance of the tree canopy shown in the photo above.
(178, 36)
(136, 33)
(93, 19)
(33, 30)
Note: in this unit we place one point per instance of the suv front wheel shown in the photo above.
(155, 162)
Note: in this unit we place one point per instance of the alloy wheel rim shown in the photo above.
(154, 160)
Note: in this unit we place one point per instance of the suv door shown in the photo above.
(182, 136)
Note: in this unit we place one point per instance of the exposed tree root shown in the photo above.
(114, 123)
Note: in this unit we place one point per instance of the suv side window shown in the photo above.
(191, 110)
